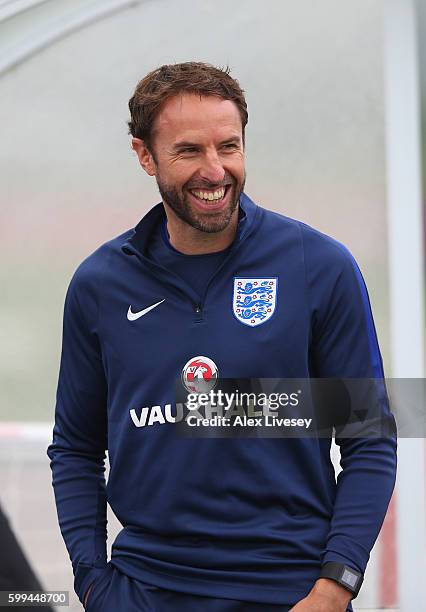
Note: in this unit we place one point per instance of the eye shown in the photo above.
(230, 145)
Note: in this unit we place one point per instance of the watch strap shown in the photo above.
(343, 574)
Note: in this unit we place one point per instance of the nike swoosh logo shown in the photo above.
(132, 316)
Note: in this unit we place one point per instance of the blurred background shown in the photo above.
(333, 91)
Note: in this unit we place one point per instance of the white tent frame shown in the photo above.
(59, 20)
(406, 277)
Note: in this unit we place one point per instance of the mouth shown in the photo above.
(210, 199)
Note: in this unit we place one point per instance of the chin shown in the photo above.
(210, 223)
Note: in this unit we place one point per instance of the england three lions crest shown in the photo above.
(254, 300)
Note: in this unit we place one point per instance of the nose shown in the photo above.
(211, 169)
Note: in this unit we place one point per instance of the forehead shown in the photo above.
(192, 115)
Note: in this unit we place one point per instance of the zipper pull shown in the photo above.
(197, 308)
(128, 250)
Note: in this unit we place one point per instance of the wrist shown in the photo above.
(333, 592)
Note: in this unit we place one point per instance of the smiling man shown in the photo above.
(211, 286)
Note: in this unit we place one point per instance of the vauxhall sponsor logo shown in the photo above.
(173, 413)
(233, 413)
(199, 376)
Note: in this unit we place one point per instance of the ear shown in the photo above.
(145, 157)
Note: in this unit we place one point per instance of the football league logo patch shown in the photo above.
(254, 300)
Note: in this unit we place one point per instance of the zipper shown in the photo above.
(231, 253)
(198, 307)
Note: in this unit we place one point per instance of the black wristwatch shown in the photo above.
(344, 575)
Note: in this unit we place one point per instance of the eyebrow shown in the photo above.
(186, 143)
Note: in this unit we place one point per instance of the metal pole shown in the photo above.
(406, 251)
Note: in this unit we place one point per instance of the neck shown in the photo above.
(191, 241)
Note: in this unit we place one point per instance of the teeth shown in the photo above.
(216, 195)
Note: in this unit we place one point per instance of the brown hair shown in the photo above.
(173, 79)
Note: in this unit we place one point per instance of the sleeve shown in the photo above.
(77, 451)
(344, 345)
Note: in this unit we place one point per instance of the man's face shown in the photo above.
(198, 159)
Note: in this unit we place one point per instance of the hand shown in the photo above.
(86, 595)
(326, 596)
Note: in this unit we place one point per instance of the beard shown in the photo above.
(209, 223)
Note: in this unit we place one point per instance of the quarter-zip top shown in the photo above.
(138, 245)
(250, 518)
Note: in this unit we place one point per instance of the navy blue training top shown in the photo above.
(196, 270)
(249, 518)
